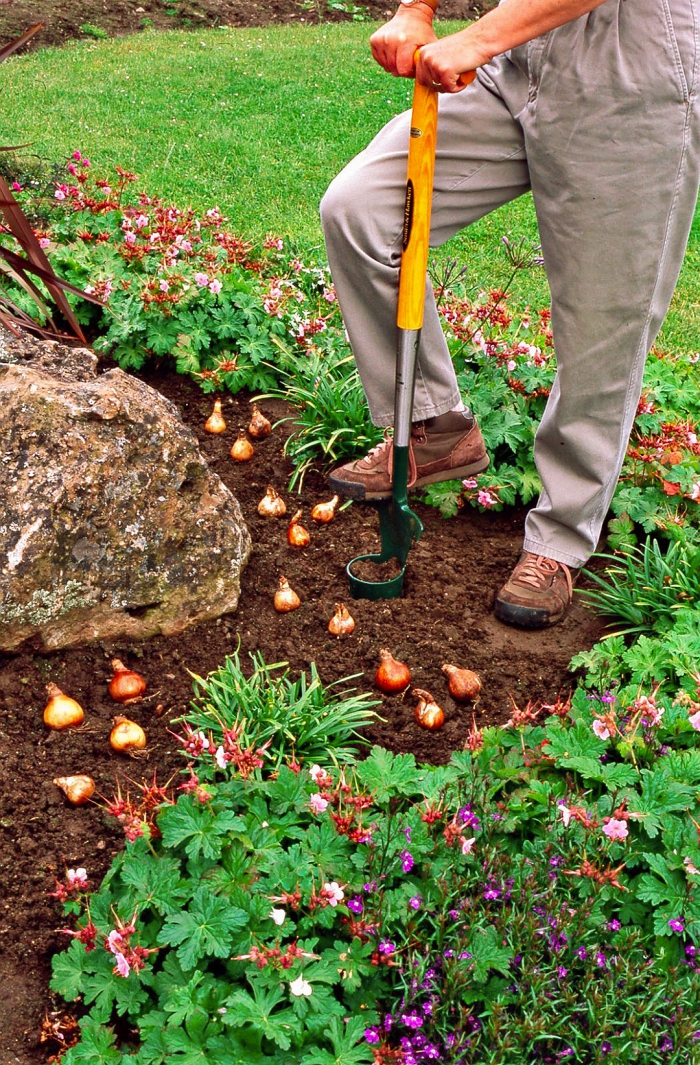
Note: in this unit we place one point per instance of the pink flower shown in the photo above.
(122, 967)
(16, 187)
(317, 803)
(77, 155)
(565, 814)
(615, 829)
(467, 844)
(469, 483)
(129, 238)
(59, 194)
(201, 279)
(333, 892)
(115, 941)
(220, 757)
(485, 499)
(215, 286)
(44, 242)
(164, 286)
(694, 720)
(601, 729)
(141, 221)
(77, 877)
(319, 776)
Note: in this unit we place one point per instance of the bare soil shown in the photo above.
(443, 616)
(65, 19)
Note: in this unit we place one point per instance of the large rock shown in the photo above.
(111, 522)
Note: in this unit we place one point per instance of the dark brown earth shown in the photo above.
(445, 615)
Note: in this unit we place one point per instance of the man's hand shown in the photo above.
(441, 63)
(393, 46)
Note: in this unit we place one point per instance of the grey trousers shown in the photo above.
(601, 120)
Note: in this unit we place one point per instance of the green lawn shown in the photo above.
(257, 121)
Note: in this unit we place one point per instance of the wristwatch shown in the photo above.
(432, 4)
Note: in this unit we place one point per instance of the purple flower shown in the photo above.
(407, 862)
(386, 946)
(412, 1020)
(370, 887)
(691, 950)
(415, 902)
(562, 972)
(581, 953)
(372, 1035)
(407, 833)
(600, 960)
(605, 1047)
(467, 817)
(491, 893)
(614, 925)
(355, 905)
(675, 924)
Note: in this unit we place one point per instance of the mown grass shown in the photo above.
(257, 121)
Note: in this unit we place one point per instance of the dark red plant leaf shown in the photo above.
(36, 261)
(8, 49)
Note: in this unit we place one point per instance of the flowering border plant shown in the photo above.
(534, 900)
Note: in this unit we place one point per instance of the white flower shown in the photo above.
(565, 814)
(300, 987)
(278, 916)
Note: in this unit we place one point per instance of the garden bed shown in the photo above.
(445, 615)
(66, 19)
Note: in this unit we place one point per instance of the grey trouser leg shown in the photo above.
(480, 164)
(601, 118)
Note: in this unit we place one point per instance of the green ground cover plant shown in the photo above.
(533, 901)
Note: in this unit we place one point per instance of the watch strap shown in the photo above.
(432, 4)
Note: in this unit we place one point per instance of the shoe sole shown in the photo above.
(356, 490)
(525, 617)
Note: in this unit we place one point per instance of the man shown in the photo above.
(592, 105)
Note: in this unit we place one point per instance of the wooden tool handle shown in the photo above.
(418, 202)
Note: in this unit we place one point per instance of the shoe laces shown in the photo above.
(377, 452)
(538, 570)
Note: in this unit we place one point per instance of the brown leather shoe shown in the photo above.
(441, 449)
(538, 592)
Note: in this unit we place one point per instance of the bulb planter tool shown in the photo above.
(399, 527)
